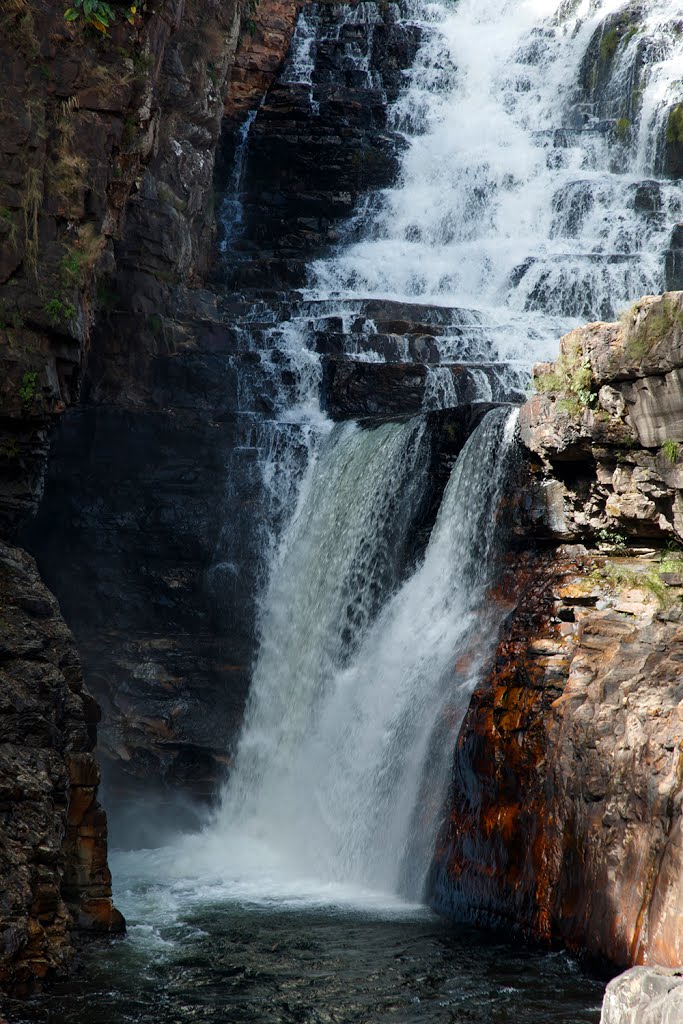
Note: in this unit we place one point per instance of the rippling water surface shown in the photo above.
(219, 952)
(234, 964)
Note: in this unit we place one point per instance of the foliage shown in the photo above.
(27, 389)
(612, 538)
(59, 311)
(572, 380)
(674, 126)
(97, 13)
(670, 450)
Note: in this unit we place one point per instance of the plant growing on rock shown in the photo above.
(28, 386)
(671, 450)
(59, 311)
(646, 332)
(612, 539)
(674, 126)
(571, 380)
(97, 13)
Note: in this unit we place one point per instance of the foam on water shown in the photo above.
(519, 212)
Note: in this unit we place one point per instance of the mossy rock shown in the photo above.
(673, 142)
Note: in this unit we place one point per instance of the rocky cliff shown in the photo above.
(565, 811)
(53, 837)
(100, 132)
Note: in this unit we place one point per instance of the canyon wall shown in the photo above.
(88, 119)
(564, 818)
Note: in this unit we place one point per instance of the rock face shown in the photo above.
(565, 811)
(614, 457)
(53, 839)
(644, 996)
(186, 364)
(82, 117)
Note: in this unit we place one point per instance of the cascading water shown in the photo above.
(345, 696)
(531, 196)
(517, 196)
(519, 211)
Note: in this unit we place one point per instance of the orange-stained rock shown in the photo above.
(264, 41)
(565, 809)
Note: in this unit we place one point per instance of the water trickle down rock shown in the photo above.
(565, 811)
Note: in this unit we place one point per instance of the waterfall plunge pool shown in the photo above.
(215, 952)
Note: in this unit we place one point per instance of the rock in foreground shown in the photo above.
(644, 995)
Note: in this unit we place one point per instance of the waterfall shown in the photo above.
(531, 197)
(231, 211)
(522, 191)
(355, 672)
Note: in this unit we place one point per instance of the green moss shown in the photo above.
(622, 128)
(618, 577)
(653, 328)
(674, 126)
(28, 386)
(609, 44)
(670, 451)
(571, 380)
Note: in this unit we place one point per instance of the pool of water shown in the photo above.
(206, 952)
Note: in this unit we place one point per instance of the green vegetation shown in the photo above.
(612, 538)
(59, 311)
(619, 577)
(671, 450)
(674, 126)
(9, 449)
(620, 33)
(71, 267)
(653, 328)
(571, 380)
(155, 323)
(622, 128)
(28, 387)
(97, 13)
(609, 43)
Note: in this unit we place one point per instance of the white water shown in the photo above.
(518, 211)
(511, 200)
(344, 704)
(356, 677)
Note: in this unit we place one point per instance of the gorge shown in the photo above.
(364, 639)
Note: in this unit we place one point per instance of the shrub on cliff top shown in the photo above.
(571, 380)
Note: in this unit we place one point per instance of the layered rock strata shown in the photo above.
(565, 811)
(83, 115)
(53, 832)
(186, 362)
